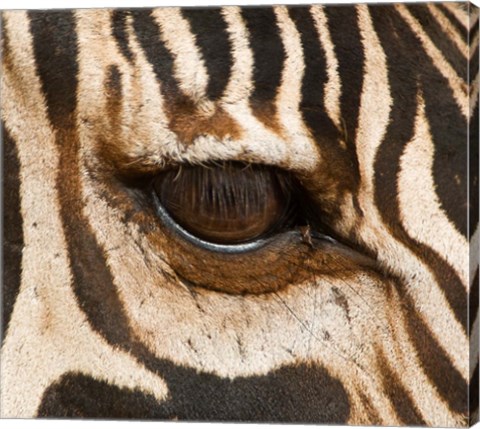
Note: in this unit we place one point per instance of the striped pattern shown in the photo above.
(371, 107)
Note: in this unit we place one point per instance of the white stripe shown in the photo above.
(290, 92)
(448, 28)
(459, 13)
(416, 194)
(97, 51)
(144, 134)
(473, 44)
(375, 102)
(146, 125)
(473, 80)
(333, 86)
(457, 85)
(374, 113)
(406, 364)
(240, 84)
(189, 67)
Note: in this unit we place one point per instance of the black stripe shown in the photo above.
(113, 82)
(473, 30)
(55, 47)
(55, 50)
(453, 20)
(346, 39)
(76, 395)
(119, 32)
(407, 73)
(450, 134)
(211, 35)
(268, 53)
(297, 393)
(437, 366)
(339, 172)
(446, 277)
(474, 170)
(473, 298)
(13, 242)
(474, 64)
(473, 396)
(92, 280)
(440, 39)
(314, 79)
(113, 90)
(371, 410)
(403, 90)
(400, 399)
(148, 34)
(5, 44)
(93, 283)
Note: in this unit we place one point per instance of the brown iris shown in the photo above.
(227, 204)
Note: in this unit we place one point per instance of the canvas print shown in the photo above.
(243, 214)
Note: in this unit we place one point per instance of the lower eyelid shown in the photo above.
(260, 267)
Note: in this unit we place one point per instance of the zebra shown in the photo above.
(241, 214)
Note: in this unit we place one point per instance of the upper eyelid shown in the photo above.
(149, 166)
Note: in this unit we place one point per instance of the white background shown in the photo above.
(46, 4)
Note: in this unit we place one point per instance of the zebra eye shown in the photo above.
(228, 204)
